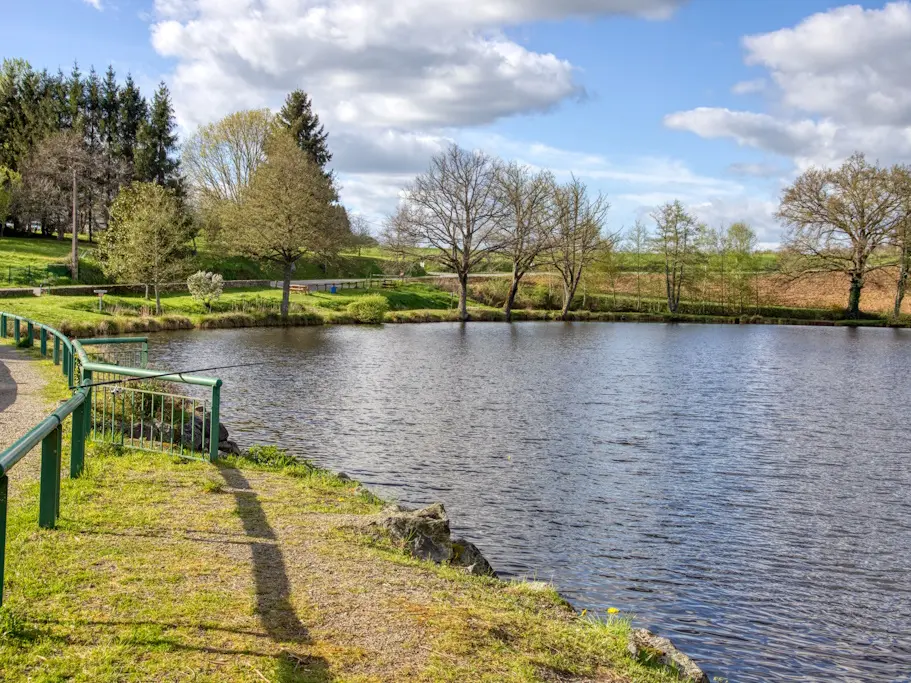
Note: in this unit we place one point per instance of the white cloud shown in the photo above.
(393, 80)
(843, 82)
(749, 87)
(94, 3)
(427, 63)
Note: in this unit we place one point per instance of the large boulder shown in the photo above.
(196, 432)
(466, 554)
(427, 536)
(425, 532)
(647, 647)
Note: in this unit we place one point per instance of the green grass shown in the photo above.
(247, 307)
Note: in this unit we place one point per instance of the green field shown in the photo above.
(25, 261)
(236, 308)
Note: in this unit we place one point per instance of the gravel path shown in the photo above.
(22, 404)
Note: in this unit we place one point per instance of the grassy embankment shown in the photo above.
(163, 570)
(79, 316)
(24, 256)
(816, 300)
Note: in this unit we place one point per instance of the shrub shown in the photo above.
(369, 309)
(206, 287)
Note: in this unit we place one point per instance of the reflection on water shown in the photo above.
(743, 490)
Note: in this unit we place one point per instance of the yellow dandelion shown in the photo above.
(612, 610)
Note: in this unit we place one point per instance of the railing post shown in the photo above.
(4, 500)
(2, 324)
(215, 423)
(17, 333)
(87, 379)
(77, 446)
(43, 342)
(56, 350)
(49, 496)
(30, 330)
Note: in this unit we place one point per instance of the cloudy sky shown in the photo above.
(715, 102)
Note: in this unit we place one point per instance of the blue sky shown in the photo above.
(645, 108)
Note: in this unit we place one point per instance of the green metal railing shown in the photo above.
(83, 408)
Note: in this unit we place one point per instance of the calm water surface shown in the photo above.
(743, 490)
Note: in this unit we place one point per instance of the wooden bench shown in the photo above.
(303, 289)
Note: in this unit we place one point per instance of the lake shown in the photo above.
(744, 490)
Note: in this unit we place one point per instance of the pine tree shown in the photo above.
(110, 112)
(133, 112)
(156, 161)
(91, 113)
(76, 98)
(297, 117)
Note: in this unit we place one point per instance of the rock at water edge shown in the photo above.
(645, 645)
(466, 554)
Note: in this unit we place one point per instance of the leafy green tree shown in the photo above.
(9, 184)
(157, 161)
(741, 243)
(298, 117)
(288, 210)
(148, 237)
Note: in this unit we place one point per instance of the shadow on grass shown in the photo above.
(270, 575)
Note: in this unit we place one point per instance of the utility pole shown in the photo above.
(75, 254)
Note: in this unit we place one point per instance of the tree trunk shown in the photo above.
(901, 285)
(511, 297)
(569, 291)
(670, 287)
(286, 291)
(857, 284)
(463, 297)
(157, 300)
(75, 254)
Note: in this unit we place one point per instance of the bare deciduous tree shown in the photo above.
(454, 208)
(637, 244)
(528, 223)
(837, 220)
(578, 225)
(54, 179)
(676, 233)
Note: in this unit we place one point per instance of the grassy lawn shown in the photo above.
(166, 570)
(36, 253)
(79, 314)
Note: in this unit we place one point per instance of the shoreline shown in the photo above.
(171, 323)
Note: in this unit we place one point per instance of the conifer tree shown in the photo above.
(298, 118)
(156, 161)
(133, 112)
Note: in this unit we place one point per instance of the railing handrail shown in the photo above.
(140, 373)
(36, 434)
(49, 432)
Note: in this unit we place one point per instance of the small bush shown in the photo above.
(369, 309)
(270, 456)
(206, 287)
